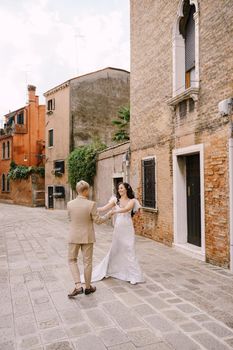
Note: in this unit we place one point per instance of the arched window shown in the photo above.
(8, 149)
(3, 150)
(186, 47)
(3, 182)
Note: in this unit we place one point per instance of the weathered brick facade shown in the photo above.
(157, 128)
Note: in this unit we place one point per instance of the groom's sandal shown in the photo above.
(90, 290)
(75, 292)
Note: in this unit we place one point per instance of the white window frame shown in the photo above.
(178, 44)
(53, 138)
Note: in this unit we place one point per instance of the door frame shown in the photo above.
(180, 201)
(48, 197)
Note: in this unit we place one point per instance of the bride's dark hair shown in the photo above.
(130, 193)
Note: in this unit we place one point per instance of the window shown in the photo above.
(51, 104)
(186, 47)
(183, 109)
(59, 167)
(3, 150)
(190, 49)
(50, 142)
(20, 118)
(8, 149)
(3, 182)
(59, 192)
(7, 184)
(191, 105)
(148, 183)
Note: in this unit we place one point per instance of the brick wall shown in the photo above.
(155, 127)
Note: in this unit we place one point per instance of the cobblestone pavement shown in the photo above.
(185, 304)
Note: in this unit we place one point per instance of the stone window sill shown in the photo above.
(191, 92)
(152, 210)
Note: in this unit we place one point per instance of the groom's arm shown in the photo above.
(97, 218)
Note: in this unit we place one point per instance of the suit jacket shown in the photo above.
(82, 214)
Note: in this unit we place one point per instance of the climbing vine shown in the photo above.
(82, 163)
(20, 172)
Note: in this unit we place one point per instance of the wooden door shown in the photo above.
(193, 199)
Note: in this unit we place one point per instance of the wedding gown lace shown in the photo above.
(121, 262)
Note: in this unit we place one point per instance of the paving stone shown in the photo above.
(174, 301)
(187, 308)
(77, 330)
(98, 318)
(25, 325)
(157, 303)
(180, 341)
(64, 345)
(190, 327)
(143, 310)
(130, 299)
(8, 345)
(165, 295)
(113, 336)
(158, 346)
(47, 319)
(126, 346)
(119, 290)
(201, 318)
(159, 323)
(29, 342)
(71, 316)
(175, 315)
(142, 337)
(89, 342)
(53, 334)
(143, 292)
(217, 329)
(209, 342)
(154, 287)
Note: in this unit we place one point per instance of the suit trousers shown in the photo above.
(87, 253)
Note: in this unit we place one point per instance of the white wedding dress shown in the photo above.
(121, 262)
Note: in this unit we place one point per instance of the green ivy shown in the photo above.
(82, 163)
(122, 124)
(20, 172)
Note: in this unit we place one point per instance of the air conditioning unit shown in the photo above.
(225, 107)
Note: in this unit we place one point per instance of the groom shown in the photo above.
(82, 213)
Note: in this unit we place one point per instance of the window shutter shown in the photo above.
(148, 183)
(53, 103)
(190, 41)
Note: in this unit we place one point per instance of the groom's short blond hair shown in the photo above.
(81, 186)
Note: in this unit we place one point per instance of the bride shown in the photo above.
(121, 262)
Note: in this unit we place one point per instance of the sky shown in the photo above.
(46, 42)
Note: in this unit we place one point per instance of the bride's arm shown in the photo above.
(108, 206)
(127, 208)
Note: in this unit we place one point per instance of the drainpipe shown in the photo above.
(231, 200)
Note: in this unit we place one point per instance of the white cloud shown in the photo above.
(41, 40)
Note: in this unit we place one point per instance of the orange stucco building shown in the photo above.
(22, 139)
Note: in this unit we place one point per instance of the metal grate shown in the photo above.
(183, 109)
(148, 183)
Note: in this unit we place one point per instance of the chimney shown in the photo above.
(31, 93)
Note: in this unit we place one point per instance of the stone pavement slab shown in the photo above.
(185, 304)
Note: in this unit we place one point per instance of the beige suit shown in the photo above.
(82, 214)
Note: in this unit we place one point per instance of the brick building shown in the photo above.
(22, 141)
(181, 138)
(79, 111)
